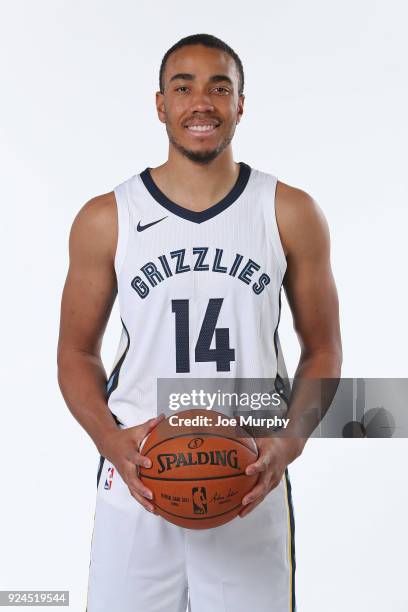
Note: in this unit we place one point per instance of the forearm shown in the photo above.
(314, 387)
(322, 364)
(82, 380)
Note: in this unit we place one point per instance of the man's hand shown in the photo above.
(121, 448)
(275, 454)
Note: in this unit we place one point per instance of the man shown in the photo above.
(197, 250)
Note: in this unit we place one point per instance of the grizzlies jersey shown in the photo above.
(199, 298)
(199, 292)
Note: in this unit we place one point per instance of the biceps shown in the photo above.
(312, 296)
(87, 300)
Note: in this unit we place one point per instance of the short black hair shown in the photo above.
(207, 40)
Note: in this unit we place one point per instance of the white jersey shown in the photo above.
(199, 296)
(199, 292)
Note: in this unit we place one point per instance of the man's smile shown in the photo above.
(201, 130)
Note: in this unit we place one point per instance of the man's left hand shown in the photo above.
(275, 454)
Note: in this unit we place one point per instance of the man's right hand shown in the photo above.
(121, 447)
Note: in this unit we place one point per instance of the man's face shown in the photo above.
(200, 105)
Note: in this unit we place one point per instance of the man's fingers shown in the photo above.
(134, 483)
(250, 507)
(259, 466)
(147, 427)
(143, 502)
(136, 435)
(138, 459)
(260, 489)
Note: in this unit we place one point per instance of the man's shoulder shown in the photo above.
(300, 218)
(293, 200)
(100, 204)
(96, 222)
(98, 211)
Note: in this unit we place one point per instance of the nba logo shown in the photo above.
(108, 481)
(199, 495)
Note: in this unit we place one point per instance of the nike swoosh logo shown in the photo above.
(141, 228)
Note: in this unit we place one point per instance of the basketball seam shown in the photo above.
(193, 479)
(196, 435)
(194, 518)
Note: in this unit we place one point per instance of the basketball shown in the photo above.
(198, 475)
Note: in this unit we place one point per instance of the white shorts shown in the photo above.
(142, 563)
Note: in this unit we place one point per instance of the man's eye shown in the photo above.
(181, 87)
(223, 89)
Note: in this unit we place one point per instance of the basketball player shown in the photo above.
(197, 250)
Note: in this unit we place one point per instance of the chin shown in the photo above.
(200, 156)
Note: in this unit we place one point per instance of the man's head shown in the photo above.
(201, 96)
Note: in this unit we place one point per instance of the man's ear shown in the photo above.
(240, 109)
(161, 111)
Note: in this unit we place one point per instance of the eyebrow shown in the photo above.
(215, 78)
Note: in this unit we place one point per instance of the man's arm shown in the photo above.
(88, 297)
(312, 297)
(313, 300)
(87, 300)
(309, 284)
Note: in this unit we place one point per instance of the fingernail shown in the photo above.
(148, 494)
(247, 501)
(147, 463)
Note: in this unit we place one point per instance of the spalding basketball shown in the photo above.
(198, 475)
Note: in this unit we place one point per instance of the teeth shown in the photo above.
(201, 128)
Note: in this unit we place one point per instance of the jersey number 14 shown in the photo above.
(222, 354)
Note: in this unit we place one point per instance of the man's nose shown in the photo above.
(201, 102)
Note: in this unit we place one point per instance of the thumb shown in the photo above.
(147, 427)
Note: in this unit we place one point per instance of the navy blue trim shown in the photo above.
(111, 385)
(280, 386)
(98, 476)
(193, 215)
(101, 458)
(292, 538)
(113, 381)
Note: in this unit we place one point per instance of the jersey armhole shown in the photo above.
(277, 242)
(122, 208)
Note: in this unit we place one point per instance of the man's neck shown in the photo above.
(196, 186)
